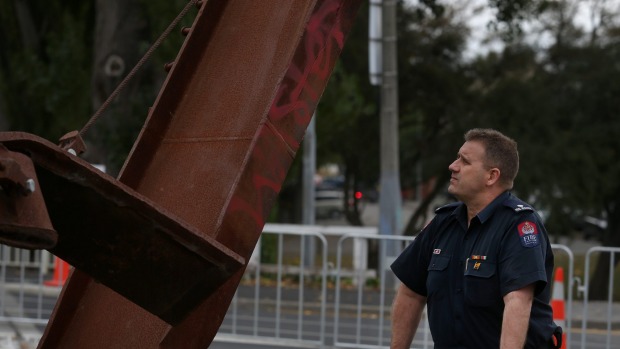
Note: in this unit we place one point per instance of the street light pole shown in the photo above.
(308, 194)
(390, 200)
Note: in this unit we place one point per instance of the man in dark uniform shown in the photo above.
(482, 265)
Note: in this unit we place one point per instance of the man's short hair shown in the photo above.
(500, 152)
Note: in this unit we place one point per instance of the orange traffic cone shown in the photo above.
(557, 303)
(61, 271)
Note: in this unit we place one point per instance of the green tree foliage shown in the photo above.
(347, 117)
(561, 110)
(435, 98)
(46, 72)
(115, 132)
(558, 102)
(585, 142)
(560, 105)
(433, 92)
(431, 82)
(45, 61)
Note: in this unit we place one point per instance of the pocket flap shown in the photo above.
(439, 262)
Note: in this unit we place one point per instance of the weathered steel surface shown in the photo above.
(121, 238)
(24, 222)
(214, 152)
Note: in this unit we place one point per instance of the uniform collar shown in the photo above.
(460, 213)
(488, 211)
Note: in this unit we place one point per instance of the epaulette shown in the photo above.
(446, 207)
(518, 205)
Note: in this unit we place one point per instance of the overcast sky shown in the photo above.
(478, 14)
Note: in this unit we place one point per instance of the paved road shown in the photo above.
(596, 335)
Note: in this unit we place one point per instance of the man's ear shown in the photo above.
(493, 176)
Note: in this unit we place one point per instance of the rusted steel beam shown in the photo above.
(119, 237)
(214, 152)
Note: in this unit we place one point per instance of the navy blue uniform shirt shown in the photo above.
(466, 271)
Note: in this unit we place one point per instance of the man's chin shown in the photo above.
(452, 190)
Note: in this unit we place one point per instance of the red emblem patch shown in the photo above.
(528, 233)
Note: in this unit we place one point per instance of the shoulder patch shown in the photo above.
(447, 207)
(528, 234)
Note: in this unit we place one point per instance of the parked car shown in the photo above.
(591, 227)
(329, 203)
(330, 196)
(331, 183)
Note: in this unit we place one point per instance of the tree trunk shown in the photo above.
(4, 122)
(418, 218)
(30, 36)
(120, 32)
(29, 39)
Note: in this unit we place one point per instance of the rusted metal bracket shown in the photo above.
(117, 236)
(24, 222)
(12, 177)
(73, 143)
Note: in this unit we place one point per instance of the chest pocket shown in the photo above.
(481, 284)
(437, 281)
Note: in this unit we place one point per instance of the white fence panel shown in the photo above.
(281, 300)
(610, 317)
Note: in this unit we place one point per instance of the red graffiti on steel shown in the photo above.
(297, 98)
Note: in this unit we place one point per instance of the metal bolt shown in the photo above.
(30, 185)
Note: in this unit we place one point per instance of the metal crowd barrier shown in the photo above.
(305, 287)
(25, 302)
(369, 301)
(272, 304)
(609, 304)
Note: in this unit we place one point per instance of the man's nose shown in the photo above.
(453, 167)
